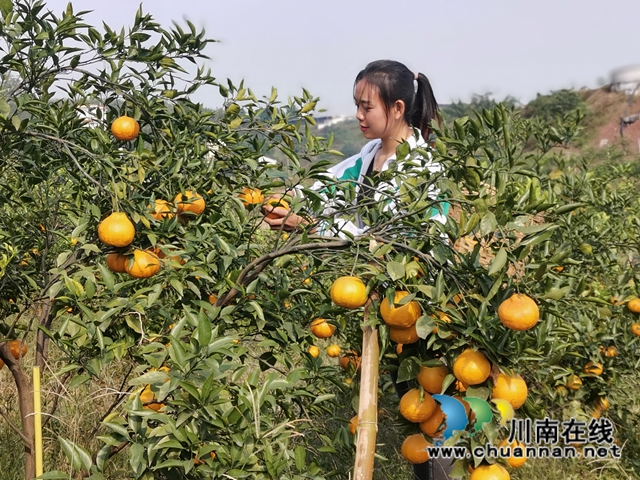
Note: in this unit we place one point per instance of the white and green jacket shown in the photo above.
(354, 169)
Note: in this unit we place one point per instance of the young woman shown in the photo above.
(393, 105)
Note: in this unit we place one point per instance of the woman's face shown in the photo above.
(371, 114)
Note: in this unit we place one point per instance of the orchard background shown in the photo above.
(202, 369)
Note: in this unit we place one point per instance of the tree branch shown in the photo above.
(14, 427)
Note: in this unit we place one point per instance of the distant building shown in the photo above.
(322, 122)
(626, 79)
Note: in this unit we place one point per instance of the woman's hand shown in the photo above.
(282, 218)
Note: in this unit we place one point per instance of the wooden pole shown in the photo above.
(368, 402)
(37, 410)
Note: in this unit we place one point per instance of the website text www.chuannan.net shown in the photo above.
(528, 451)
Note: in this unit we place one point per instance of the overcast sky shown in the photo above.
(506, 47)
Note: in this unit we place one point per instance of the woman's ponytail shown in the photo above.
(425, 107)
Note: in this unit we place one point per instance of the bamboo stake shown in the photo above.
(37, 420)
(368, 402)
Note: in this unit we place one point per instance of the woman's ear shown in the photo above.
(398, 109)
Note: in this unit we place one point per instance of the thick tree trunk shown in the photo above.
(25, 398)
(368, 405)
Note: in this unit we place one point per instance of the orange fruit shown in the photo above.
(276, 202)
(519, 312)
(561, 390)
(414, 448)
(461, 386)
(611, 351)
(601, 403)
(512, 389)
(116, 230)
(17, 348)
(125, 128)
(333, 350)
(431, 378)
(213, 299)
(634, 305)
(471, 367)
(314, 351)
(350, 358)
(444, 318)
(321, 328)
(490, 472)
(161, 210)
(251, 196)
(117, 262)
(145, 264)
(515, 461)
(635, 329)
(415, 410)
(1, 364)
(433, 425)
(404, 336)
(348, 292)
(574, 382)
(593, 369)
(353, 424)
(189, 202)
(399, 349)
(403, 316)
(148, 398)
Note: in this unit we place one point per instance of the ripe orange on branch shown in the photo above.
(251, 196)
(189, 201)
(162, 210)
(432, 378)
(276, 202)
(125, 128)
(574, 382)
(404, 336)
(635, 329)
(471, 367)
(512, 389)
(116, 230)
(593, 369)
(314, 351)
(403, 316)
(321, 328)
(144, 265)
(414, 448)
(414, 409)
(490, 472)
(634, 305)
(433, 425)
(117, 262)
(333, 350)
(17, 348)
(519, 312)
(348, 292)
(513, 460)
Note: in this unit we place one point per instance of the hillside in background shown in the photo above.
(601, 126)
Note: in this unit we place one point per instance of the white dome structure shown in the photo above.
(626, 79)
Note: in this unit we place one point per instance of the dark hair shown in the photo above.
(396, 82)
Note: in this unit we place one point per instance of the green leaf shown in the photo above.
(80, 458)
(498, 262)
(204, 330)
(395, 270)
(300, 455)
(5, 108)
(6, 6)
(408, 369)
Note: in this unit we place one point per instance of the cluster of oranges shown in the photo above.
(118, 231)
(347, 292)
